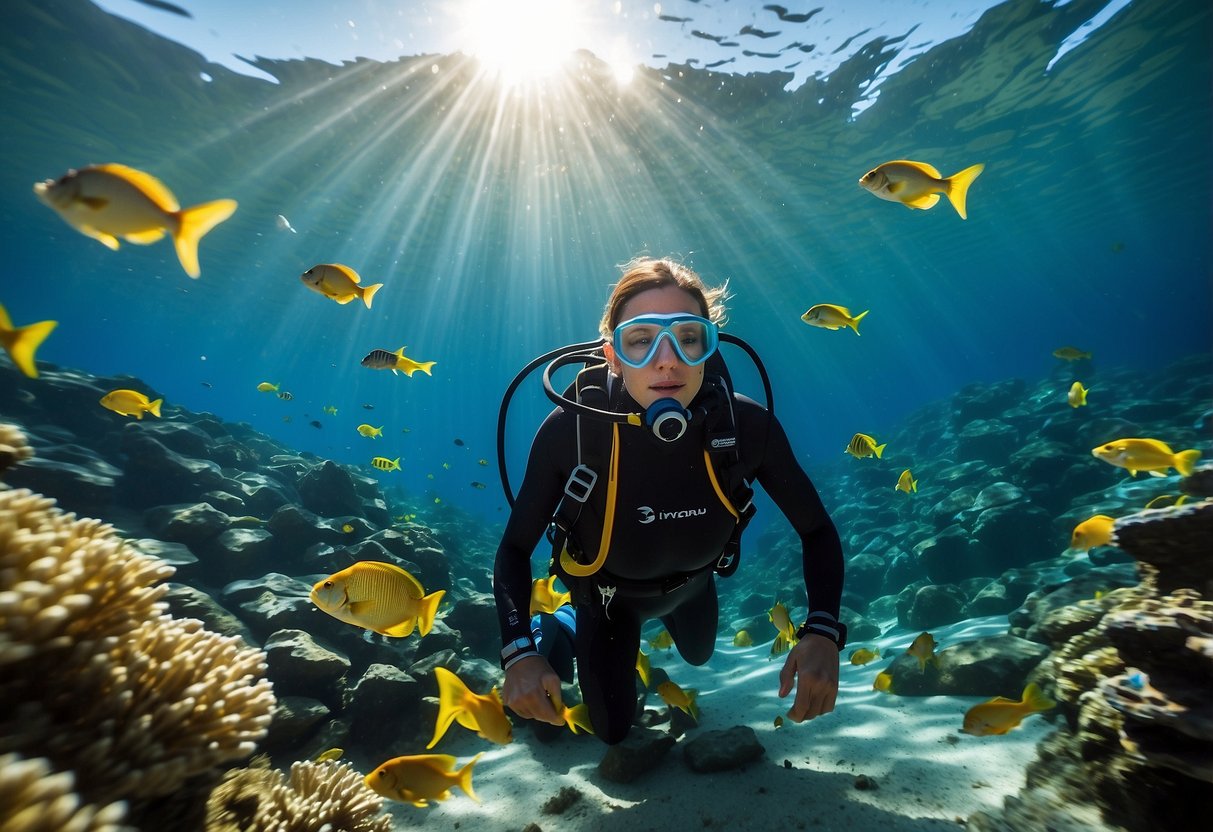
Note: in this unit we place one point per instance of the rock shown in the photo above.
(268, 613)
(934, 606)
(1175, 542)
(299, 666)
(476, 620)
(155, 475)
(987, 439)
(179, 437)
(995, 666)
(865, 574)
(380, 697)
(638, 754)
(328, 490)
(187, 602)
(188, 523)
(715, 751)
(240, 553)
(263, 495)
(294, 717)
(86, 487)
(953, 555)
(978, 401)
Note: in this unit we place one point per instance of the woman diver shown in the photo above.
(650, 462)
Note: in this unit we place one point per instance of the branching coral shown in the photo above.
(318, 796)
(34, 800)
(13, 447)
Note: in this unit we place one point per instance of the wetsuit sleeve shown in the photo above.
(781, 476)
(537, 499)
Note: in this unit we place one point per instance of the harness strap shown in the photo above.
(567, 563)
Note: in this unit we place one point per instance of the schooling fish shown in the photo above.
(829, 316)
(999, 715)
(883, 682)
(384, 360)
(378, 596)
(1148, 455)
(1164, 500)
(420, 778)
(286, 395)
(576, 717)
(863, 655)
(370, 432)
(479, 485)
(482, 713)
(743, 639)
(385, 464)
(1092, 532)
(643, 667)
(906, 482)
(329, 410)
(662, 641)
(106, 202)
(131, 403)
(22, 341)
(1071, 354)
(918, 185)
(266, 387)
(339, 283)
(676, 697)
(862, 446)
(923, 649)
(782, 620)
(331, 755)
(1077, 397)
(545, 598)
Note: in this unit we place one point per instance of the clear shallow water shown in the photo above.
(495, 221)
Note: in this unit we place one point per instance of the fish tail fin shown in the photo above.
(879, 449)
(958, 187)
(1185, 461)
(192, 226)
(452, 693)
(914, 486)
(369, 292)
(396, 463)
(579, 717)
(1035, 699)
(854, 322)
(465, 778)
(23, 342)
(429, 609)
(154, 407)
(427, 367)
(693, 704)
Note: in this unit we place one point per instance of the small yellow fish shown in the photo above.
(830, 316)
(643, 667)
(338, 282)
(1071, 354)
(906, 482)
(397, 361)
(482, 713)
(106, 202)
(482, 462)
(781, 644)
(330, 756)
(545, 598)
(22, 341)
(266, 387)
(999, 715)
(1164, 500)
(1146, 455)
(779, 616)
(420, 778)
(863, 655)
(676, 697)
(330, 410)
(923, 649)
(918, 185)
(883, 682)
(862, 446)
(378, 596)
(743, 639)
(1092, 532)
(446, 466)
(429, 476)
(385, 464)
(348, 528)
(662, 641)
(370, 432)
(578, 717)
(131, 403)
(1077, 397)
(778, 723)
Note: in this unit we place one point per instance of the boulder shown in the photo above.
(715, 751)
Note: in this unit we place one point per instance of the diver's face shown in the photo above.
(666, 375)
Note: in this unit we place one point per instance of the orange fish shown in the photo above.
(999, 715)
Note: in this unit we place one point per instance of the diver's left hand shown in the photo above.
(814, 664)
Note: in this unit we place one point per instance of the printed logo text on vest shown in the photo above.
(648, 515)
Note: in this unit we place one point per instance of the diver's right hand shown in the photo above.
(532, 690)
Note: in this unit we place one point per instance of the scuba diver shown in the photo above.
(641, 479)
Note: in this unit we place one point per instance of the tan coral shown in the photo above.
(13, 447)
(35, 800)
(318, 795)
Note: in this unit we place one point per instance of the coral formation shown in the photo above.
(13, 447)
(35, 800)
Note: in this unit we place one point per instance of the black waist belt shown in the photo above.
(655, 588)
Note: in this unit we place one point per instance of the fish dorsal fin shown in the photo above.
(414, 588)
(348, 272)
(922, 166)
(150, 186)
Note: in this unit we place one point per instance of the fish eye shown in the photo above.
(328, 584)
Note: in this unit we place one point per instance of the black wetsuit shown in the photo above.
(669, 521)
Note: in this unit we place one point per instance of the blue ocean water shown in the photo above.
(496, 222)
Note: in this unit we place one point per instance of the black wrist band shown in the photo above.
(821, 625)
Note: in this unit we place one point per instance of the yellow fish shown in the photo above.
(1077, 397)
(378, 596)
(578, 717)
(999, 715)
(1164, 500)
(330, 410)
(131, 403)
(676, 697)
(743, 639)
(1071, 354)
(1092, 532)
(1146, 455)
(370, 432)
(863, 655)
(482, 462)
(397, 361)
(348, 528)
(22, 341)
(779, 616)
(446, 466)
(883, 682)
(266, 387)
(829, 316)
(482, 713)
(420, 778)
(781, 644)
(643, 667)
(923, 649)
(332, 755)
(338, 282)
(662, 641)
(906, 482)
(385, 464)
(862, 446)
(778, 723)
(106, 202)
(545, 598)
(918, 185)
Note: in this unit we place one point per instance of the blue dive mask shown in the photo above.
(693, 338)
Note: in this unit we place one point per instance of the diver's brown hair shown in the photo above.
(644, 273)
